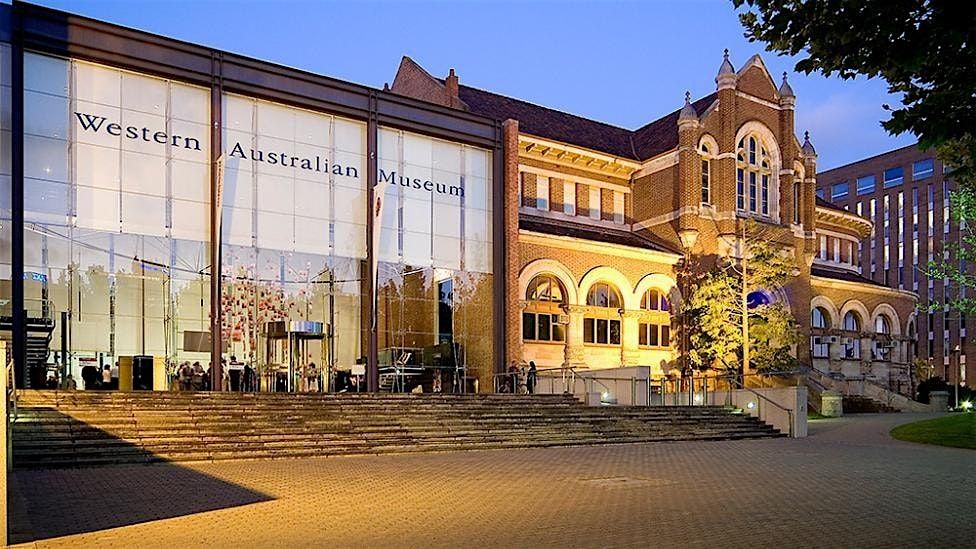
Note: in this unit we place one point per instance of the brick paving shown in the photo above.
(848, 485)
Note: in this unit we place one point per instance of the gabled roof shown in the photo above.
(662, 134)
(645, 142)
(551, 124)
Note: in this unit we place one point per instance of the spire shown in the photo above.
(785, 90)
(726, 73)
(688, 112)
(807, 147)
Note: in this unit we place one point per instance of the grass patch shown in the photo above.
(814, 415)
(957, 431)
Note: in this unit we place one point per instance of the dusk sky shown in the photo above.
(624, 63)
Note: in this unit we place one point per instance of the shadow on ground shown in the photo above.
(53, 502)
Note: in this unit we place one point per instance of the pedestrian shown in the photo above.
(89, 375)
(186, 376)
(248, 377)
(69, 383)
(106, 378)
(437, 382)
(531, 378)
(196, 379)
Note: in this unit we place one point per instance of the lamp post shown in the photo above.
(956, 352)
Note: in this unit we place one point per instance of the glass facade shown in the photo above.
(118, 237)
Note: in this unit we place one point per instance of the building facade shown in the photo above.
(602, 220)
(906, 194)
(169, 203)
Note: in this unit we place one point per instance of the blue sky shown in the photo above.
(621, 62)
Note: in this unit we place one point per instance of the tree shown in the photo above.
(729, 306)
(924, 50)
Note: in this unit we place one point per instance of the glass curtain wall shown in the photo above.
(434, 264)
(116, 212)
(293, 245)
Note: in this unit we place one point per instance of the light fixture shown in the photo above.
(967, 405)
(698, 399)
(605, 394)
(751, 405)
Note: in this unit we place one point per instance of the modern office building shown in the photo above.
(906, 195)
(171, 201)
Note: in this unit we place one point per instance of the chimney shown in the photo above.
(451, 87)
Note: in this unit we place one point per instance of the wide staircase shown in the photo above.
(82, 428)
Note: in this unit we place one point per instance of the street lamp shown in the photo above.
(956, 351)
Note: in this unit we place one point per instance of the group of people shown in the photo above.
(104, 379)
(237, 376)
(520, 378)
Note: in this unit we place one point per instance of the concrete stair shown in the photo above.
(90, 428)
(856, 404)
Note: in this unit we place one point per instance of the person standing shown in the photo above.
(107, 378)
(531, 377)
(89, 374)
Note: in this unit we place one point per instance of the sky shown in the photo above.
(621, 62)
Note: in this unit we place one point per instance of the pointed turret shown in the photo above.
(688, 112)
(726, 77)
(785, 90)
(787, 99)
(807, 147)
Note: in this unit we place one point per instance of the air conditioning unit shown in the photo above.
(833, 339)
(846, 340)
(562, 319)
(817, 340)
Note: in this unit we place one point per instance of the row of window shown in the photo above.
(544, 190)
(851, 345)
(543, 319)
(893, 177)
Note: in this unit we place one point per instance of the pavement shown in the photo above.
(847, 485)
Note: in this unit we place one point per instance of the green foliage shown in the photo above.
(715, 310)
(957, 431)
(923, 49)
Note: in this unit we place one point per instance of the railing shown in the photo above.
(11, 390)
(34, 307)
(733, 380)
(513, 382)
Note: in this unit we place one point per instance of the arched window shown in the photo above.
(544, 297)
(601, 325)
(796, 203)
(882, 338)
(852, 341)
(753, 175)
(819, 320)
(706, 175)
(655, 324)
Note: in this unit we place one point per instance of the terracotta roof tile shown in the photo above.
(645, 142)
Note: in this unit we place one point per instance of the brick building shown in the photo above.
(599, 219)
(905, 193)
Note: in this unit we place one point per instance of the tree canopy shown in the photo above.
(923, 49)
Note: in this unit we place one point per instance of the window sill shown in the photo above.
(540, 342)
(601, 345)
(653, 348)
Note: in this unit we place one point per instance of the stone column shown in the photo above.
(574, 351)
(629, 337)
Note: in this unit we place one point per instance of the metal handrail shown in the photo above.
(789, 411)
(573, 370)
(11, 395)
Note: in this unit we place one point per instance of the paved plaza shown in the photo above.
(847, 485)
